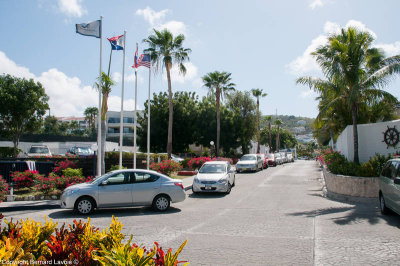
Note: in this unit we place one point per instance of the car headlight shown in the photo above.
(71, 191)
(196, 180)
(222, 180)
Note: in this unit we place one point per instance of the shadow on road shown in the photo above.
(353, 214)
(104, 213)
(206, 195)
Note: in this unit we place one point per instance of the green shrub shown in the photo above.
(69, 172)
(8, 152)
(184, 163)
(116, 167)
(3, 188)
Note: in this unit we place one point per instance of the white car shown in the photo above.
(215, 176)
(39, 151)
(127, 187)
(249, 162)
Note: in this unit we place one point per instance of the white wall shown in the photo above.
(370, 140)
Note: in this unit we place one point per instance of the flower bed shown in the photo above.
(79, 243)
(187, 173)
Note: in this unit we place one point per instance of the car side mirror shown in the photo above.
(103, 183)
(397, 181)
(197, 171)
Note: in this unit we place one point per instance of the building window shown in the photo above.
(113, 120)
(128, 120)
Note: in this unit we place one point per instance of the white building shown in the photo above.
(377, 138)
(113, 123)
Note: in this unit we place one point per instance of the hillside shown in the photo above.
(296, 124)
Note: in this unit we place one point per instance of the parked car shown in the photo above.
(389, 187)
(81, 151)
(174, 157)
(290, 157)
(215, 176)
(123, 188)
(249, 162)
(39, 151)
(284, 157)
(271, 159)
(264, 159)
(278, 158)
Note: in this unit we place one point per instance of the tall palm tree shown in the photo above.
(355, 73)
(258, 93)
(278, 122)
(104, 84)
(90, 115)
(269, 120)
(219, 83)
(166, 50)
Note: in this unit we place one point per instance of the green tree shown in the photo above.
(258, 93)
(23, 103)
(278, 123)
(185, 119)
(245, 117)
(219, 83)
(104, 84)
(286, 138)
(355, 73)
(166, 50)
(51, 126)
(268, 119)
(90, 114)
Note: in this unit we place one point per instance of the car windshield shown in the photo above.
(39, 150)
(99, 177)
(84, 150)
(270, 156)
(212, 168)
(248, 158)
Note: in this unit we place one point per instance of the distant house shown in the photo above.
(301, 122)
(83, 124)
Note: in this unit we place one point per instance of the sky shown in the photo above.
(264, 44)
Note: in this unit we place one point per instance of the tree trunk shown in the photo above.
(15, 142)
(269, 135)
(355, 133)
(217, 91)
(258, 126)
(104, 109)
(277, 140)
(171, 112)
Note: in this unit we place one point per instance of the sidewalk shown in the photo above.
(55, 204)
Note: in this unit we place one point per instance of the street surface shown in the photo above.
(277, 216)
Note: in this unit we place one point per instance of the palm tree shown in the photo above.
(258, 93)
(90, 115)
(104, 84)
(278, 122)
(219, 83)
(269, 120)
(355, 73)
(166, 50)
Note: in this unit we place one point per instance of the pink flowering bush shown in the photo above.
(62, 165)
(3, 188)
(45, 184)
(24, 179)
(196, 163)
(166, 167)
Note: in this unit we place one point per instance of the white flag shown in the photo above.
(89, 29)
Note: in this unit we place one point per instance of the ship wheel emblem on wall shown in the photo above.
(391, 136)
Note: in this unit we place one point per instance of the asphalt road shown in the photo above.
(277, 216)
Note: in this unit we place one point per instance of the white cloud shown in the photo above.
(306, 63)
(116, 76)
(308, 94)
(175, 27)
(114, 104)
(152, 17)
(71, 8)
(191, 73)
(9, 67)
(390, 49)
(316, 3)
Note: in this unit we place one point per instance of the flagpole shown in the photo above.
(99, 111)
(135, 118)
(148, 122)
(121, 120)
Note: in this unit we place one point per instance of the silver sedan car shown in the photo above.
(121, 188)
(215, 176)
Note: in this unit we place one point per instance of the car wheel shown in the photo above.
(194, 192)
(382, 205)
(84, 205)
(229, 188)
(161, 203)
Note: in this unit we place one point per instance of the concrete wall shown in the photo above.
(366, 187)
(370, 140)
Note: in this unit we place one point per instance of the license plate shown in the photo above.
(208, 187)
(244, 169)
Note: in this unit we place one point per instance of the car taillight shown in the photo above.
(179, 185)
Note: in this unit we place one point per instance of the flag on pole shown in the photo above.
(144, 60)
(135, 61)
(90, 29)
(117, 43)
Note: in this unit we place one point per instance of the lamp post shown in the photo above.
(211, 146)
